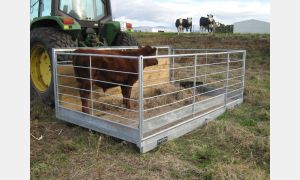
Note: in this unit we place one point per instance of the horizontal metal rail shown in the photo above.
(193, 54)
(149, 119)
(98, 55)
(182, 67)
(185, 67)
(104, 119)
(67, 52)
(239, 94)
(210, 91)
(59, 63)
(108, 70)
(187, 79)
(235, 84)
(194, 49)
(211, 64)
(167, 69)
(167, 82)
(67, 76)
(149, 109)
(235, 90)
(78, 97)
(219, 72)
(106, 94)
(165, 94)
(112, 114)
(107, 48)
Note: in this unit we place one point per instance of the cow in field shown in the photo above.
(206, 23)
(179, 25)
(214, 25)
(109, 79)
(188, 24)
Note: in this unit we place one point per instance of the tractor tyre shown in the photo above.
(42, 40)
(125, 39)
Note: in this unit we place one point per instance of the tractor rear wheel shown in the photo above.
(42, 40)
(125, 39)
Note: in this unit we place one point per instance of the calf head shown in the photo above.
(212, 24)
(180, 20)
(149, 51)
(210, 17)
(190, 20)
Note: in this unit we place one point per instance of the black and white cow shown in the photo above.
(179, 25)
(188, 24)
(206, 23)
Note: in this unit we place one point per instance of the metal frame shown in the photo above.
(152, 131)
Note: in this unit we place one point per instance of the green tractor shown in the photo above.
(68, 23)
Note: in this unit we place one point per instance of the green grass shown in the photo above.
(235, 146)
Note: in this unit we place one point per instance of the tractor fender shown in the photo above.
(53, 21)
(111, 30)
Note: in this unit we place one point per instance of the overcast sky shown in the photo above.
(165, 12)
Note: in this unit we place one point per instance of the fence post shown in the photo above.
(54, 67)
(205, 71)
(194, 84)
(141, 97)
(227, 76)
(91, 84)
(244, 72)
(172, 65)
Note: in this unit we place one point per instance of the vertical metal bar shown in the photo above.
(141, 98)
(227, 76)
(172, 65)
(244, 72)
(205, 71)
(194, 90)
(54, 68)
(170, 61)
(91, 84)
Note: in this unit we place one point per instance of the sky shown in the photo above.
(165, 12)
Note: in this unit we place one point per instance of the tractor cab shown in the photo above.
(83, 19)
(63, 24)
(87, 10)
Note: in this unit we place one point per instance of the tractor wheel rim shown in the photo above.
(40, 68)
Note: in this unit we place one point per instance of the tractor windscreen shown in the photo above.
(88, 10)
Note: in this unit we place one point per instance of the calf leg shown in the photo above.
(85, 94)
(126, 92)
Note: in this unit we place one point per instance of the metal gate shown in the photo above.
(188, 88)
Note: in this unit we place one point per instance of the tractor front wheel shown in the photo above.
(42, 40)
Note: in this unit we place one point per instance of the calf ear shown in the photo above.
(154, 49)
(149, 49)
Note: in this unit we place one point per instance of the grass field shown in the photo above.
(235, 146)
